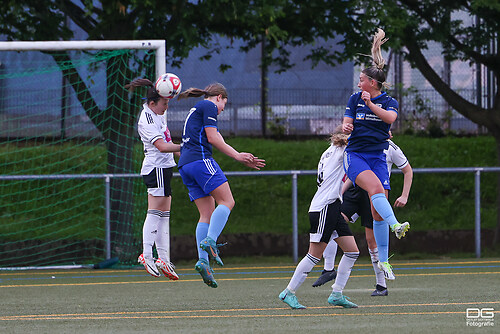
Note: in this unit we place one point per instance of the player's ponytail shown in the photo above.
(152, 94)
(214, 89)
(376, 72)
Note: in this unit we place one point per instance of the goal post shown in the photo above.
(64, 111)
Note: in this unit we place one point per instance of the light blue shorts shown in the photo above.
(357, 162)
(201, 177)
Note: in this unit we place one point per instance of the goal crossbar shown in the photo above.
(155, 44)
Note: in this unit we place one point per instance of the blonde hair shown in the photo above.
(378, 40)
(214, 89)
(338, 138)
(376, 72)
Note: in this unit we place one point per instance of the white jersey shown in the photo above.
(153, 127)
(330, 178)
(394, 155)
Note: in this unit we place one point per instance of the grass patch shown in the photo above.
(75, 208)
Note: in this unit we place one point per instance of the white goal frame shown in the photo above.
(160, 67)
(155, 44)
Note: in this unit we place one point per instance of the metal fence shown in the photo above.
(294, 200)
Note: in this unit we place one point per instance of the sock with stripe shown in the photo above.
(150, 231)
(329, 255)
(379, 274)
(303, 269)
(218, 220)
(163, 237)
(344, 270)
(201, 233)
(384, 209)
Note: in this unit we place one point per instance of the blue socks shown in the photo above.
(201, 233)
(218, 221)
(381, 233)
(384, 209)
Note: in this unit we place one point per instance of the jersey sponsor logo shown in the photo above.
(372, 117)
(360, 116)
(386, 182)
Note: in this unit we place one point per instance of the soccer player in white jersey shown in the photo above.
(156, 172)
(356, 203)
(327, 224)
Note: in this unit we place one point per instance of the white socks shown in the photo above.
(329, 255)
(156, 231)
(150, 231)
(344, 270)
(379, 274)
(163, 237)
(303, 269)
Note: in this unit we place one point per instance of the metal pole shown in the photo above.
(295, 224)
(107, 201)
(477, 200)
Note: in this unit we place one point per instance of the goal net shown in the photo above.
(67, 129)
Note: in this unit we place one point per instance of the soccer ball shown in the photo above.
(168, 85)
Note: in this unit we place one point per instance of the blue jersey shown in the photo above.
(370, 132)
(195, 145)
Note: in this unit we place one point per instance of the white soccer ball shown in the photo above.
(168, 85)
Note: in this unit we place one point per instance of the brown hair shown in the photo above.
(214, 89)
(151, 95)
(376, 71)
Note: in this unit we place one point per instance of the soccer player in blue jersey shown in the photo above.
(368, 118)
(202, 175)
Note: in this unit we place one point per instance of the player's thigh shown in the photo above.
(347, 243)
(161, 203)
(223, 195)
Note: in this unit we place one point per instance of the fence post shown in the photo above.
(107, 205)
(295, 224)
(477, 204)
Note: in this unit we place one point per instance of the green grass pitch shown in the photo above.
(427, 296)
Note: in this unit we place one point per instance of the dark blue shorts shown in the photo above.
(357, 162)
(201, 177)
